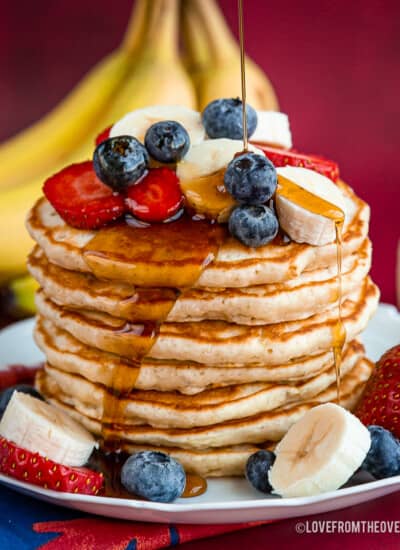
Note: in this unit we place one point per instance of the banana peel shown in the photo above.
(23, 290)
(156, 77)
(45, 143)
(213, 59)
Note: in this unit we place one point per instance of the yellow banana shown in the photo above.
(42, 145)
(156, 78)
(23, 290)
(214, 59)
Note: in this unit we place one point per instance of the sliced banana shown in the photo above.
(39, 427)
(319, 453)
(297, 212)
(273, 129)
(138, 122)
(201, 176)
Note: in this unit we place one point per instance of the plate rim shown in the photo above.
(266, 502)
(182, 508)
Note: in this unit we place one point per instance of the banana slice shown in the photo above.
(319, 453)
(39, 427)
(138, 122)
(308, 217)
(273, 128)
(201, 176)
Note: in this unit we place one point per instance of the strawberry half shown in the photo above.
(38, 470)
(156, 197)
(105, 134)
(81, 199)
(281, 157)
(380, 402)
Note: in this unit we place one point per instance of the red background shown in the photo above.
(335, 64)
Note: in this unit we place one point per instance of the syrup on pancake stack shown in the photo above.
(175, 314)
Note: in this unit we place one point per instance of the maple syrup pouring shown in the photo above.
(243, 74)
(317, 205)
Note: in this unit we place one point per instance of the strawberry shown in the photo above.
(81, 199)
(38, 470)
(380, 402)
(156, 197)
(105, 134)
(281, 157)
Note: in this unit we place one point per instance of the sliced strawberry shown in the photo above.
(81, 199)
(156, 197)
(281, 157)
(380, 402)
(38, 470)
(105, 134)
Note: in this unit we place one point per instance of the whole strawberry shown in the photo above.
(380, 402)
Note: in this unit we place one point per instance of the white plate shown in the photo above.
(227, 500)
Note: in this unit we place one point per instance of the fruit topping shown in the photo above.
(319, 453)
(253, 225)
(81, 199)
(167, 141)
(34, 468)
(223, 118)
(139, 121)
(6, 395)
(120, 162)
(157, 197)
(308, 204)
(105, 134)
(257, 468)
(383, 458)
(281, 157)
(153, 475)
(273, 128)
(250, 178)
(380, 402)
(37, 426)
(201, 177)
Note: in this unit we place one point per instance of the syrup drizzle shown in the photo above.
(161, 256)
(243, 74)
(195, 486)
(317, 205)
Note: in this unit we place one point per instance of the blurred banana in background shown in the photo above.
(213, 59)
(147, 69)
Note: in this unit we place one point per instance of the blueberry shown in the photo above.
(223, 118)
(253, 225)
(167, 141)
(6, 395)
(257, 468)
(383, 458)
(120, 161)
(153, 475)
(251, 178)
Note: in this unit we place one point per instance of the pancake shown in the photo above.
(176, 410)
(299, 298)
(258, 428)
(235, 265)
(216, 342)
(66, 353)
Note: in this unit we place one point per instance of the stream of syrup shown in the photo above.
(243, 74)
(317, 205)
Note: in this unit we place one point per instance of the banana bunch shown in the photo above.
(146, 69)
(213, 59)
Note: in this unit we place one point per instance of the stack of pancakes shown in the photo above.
(240, 357)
